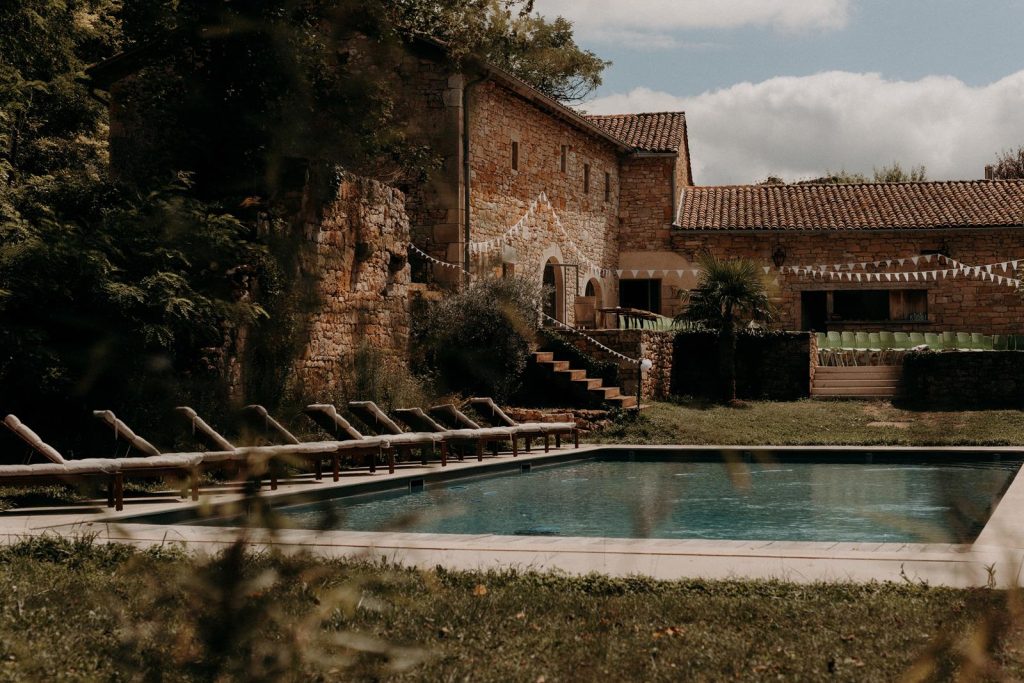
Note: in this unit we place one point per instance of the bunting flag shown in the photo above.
(444, 264)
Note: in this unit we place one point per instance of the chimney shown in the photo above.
(990, 173)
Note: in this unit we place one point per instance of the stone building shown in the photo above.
(532, 187)
(912, 257)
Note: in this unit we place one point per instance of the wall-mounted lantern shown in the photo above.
(779, 256)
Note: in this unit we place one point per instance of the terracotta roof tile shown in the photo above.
(950, 204)
(654, 132)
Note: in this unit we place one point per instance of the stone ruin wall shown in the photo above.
(355, 257)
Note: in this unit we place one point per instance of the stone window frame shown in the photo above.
(586, 178)
(563, 159)
(515, 155)
(607, 186)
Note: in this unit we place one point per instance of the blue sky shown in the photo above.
(798, 87)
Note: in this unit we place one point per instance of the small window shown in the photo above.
(865, 305)
(564, 160)
(586, 178)
(607, 187)
(641, 294)
(515, 155)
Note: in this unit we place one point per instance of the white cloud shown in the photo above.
(799, 127)
(604, 20)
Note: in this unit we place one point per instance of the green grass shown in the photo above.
(73, 611)
(813, 423)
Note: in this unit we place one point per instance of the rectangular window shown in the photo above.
(515, 156)
(607, 187)
(642, 294)
(564, 160)
(871, 305)
(586, 178)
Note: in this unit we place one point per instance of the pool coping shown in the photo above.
(996, 557)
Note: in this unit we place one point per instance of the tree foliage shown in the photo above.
(891, 173)
(509, 34)
(729, 292)
(1009, 165)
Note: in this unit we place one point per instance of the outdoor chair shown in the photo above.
(849, 340)
(999, 342)
(981, 342)
(492, 413)
(835, 340)
(327, 417)
(377, 420)
(822, 340)
(315, 451)
(933, 341)
(58, 470)
(916, 339)
(963, 340)
(949, 340)
(183, 467)
(477, 439)
(902, 340)
(450, 416)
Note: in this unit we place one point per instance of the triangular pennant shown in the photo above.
(766, 269)
(858, 277)
(915, 259)
(888, 277)
(618, 273)
(650, 273)
(679, 272)
(695, 272)
(634, 273)
(901, 261)
(928, 258)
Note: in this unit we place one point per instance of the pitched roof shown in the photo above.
(650, 132)
(867, 206)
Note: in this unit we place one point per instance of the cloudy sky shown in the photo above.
(799, 87)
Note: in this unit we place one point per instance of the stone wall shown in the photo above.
(961, 304)
(649, 344)
(775, 366)
(353, 258)
(500, 195)
(964, 379)
(647, 202)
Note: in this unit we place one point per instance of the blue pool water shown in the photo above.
(690, 500)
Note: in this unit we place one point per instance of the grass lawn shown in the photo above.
(814, 423)
(77, 611)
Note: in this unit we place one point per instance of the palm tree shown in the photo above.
(729, 291)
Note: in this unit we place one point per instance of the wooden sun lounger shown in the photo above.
(492, 412)
(450, 416)
(377, 420)
(58, 470)
(154, 464)
(420, 421)
(368, 448)
(327, 417)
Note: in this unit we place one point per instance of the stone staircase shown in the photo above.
(593, 389)
(861, 382)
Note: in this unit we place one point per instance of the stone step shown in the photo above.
(608, 392)
(574, 375)
(859, 370)
(859, 382)
(556, 365)
(543, 356)
(589, 383)
(623, 402)
(858, 392)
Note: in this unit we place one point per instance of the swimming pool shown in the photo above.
(923, 500)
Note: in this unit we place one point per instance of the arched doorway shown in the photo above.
(554, 285)
(594, 289)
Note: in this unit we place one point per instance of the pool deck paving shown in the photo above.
(995, 558)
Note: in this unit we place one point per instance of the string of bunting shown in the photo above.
(984, 272)
(444, 264)
(569, 328)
